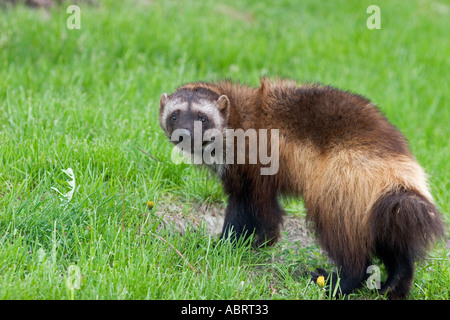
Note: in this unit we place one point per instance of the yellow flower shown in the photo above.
(321, 281)
(150, 204)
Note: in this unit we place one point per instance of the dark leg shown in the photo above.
(244, 216)
(347, 249)
(404, 226)
(239, 222)
(253, 206)
(345, 282)
(400, 269)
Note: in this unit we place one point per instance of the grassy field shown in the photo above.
(87, 99)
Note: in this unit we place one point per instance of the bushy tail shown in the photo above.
(404, 225)
(406, 222)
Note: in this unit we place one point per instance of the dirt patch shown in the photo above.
(211, 216)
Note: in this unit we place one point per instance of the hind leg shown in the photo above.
(400, 269)
(343, 283)
(404, 225)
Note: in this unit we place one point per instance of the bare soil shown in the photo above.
(211, 217)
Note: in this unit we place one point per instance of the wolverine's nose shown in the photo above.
(180, 135)
(206, 142)
(186, 134)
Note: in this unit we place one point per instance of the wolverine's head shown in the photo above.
(193, 111)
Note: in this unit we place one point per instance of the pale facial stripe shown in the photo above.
(172, 106)
(211, 109)
(207, 107)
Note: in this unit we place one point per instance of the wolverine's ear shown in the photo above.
(162, 102)
(224, 104)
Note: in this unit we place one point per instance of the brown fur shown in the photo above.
(338, 152)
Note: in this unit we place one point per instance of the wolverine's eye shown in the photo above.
(174, 118)
(203, 119)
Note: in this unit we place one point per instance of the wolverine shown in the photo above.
(363, 190)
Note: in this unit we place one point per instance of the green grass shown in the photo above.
(86, 99)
